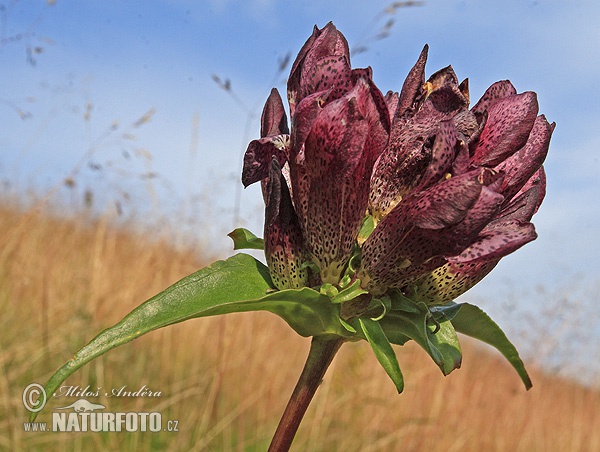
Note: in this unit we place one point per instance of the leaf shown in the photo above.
(238, 284)
(412, 323)
(383, 350)
(445, 312)
(244, 239)
(472, 321)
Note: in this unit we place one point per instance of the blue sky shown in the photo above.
(104, 64)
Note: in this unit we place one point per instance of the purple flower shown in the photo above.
(456, 188)
(340, 126)
(450, 189)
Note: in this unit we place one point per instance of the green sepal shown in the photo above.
(238, 284)
(413, 321)
(386, 304)
(349, 293)
(328, 290)
(472, 321)
(347, 326)
(244, 239)
(383, 350)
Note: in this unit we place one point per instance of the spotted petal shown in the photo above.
(421, 228)
(332, 179)
(259, 154)
(493, 94)
(520, 166)
(284, 249)
(497, 240)
(448, 281)
(323, 63)
(273, 119)
(508, 125)
(443, 153)
(401, 165)
(412, 87)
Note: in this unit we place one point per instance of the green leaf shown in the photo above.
(472, 321)
(238, 284)
(244, 239)
(442, 346)
(445, 312)
(383, 350)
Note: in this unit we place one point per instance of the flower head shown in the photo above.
(449, 189)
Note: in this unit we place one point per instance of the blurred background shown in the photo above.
(135, 116)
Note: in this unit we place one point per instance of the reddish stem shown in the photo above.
(322, 351)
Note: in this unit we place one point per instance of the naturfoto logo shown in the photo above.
(87, 416)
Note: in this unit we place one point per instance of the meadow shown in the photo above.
(226, 380)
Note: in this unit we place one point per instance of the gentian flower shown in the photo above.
(449, 189)
(379, 211)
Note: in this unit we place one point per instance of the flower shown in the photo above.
(340, 126)
(448, 189)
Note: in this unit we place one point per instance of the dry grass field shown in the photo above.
(226, 380)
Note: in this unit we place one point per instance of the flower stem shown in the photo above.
(322, 351)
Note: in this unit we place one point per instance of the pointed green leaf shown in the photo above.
(383, 350)
(472, 321)
(238, 284)
(244, 239)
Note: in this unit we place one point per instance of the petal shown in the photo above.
(497, 241)
(413, 84)
(442, 154)
(448, 282)
(446, 99)
(520, 166)
(493, 94)
(479, 215)
(442, 77)
(401, 165)
(323, 53)
(461, 163)
(331, 184)
(373, 107)
(467, 125)
(330, 72)
(283, 239)
(273, 120)
(537, 180)
(412, 233)
(259, 154)
(293, 84)
(396, 173)
(464, 89)
(523, 206)
(303, 120)
(508, 125)
(392, 100)
(447, 203)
